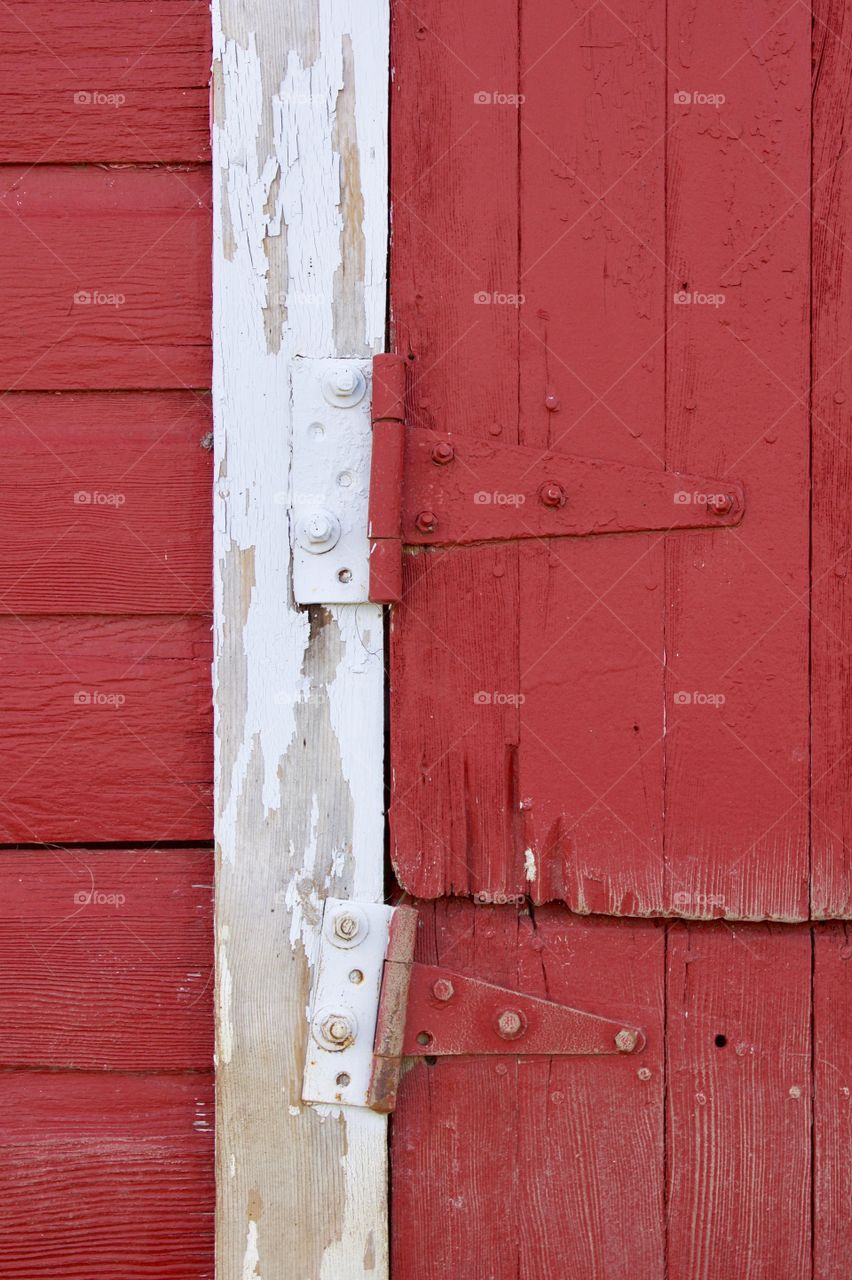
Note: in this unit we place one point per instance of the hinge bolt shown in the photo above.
(552, 495)
(346, 926)
(510, 1024)
(721, 504)
(345, 381)
(626, 1040)
(443, 989)
(319, 527)
(335, 1030)
(426, 521)
(443, 453)
(551, 402)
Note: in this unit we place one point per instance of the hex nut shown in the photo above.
(443, 989)
(511, 1024)
(626, 1040)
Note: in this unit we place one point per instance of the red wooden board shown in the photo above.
(107, 958)
(526, 1167)
(618, 722)
(106, 1175)
(832, 1101)
(100, 80)
(831, 400)
(106, 729)
(108, 503)
(116, 290)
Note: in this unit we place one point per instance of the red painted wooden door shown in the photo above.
(620, 763)
(105, 726)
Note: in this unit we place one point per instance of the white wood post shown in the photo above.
(300, 192)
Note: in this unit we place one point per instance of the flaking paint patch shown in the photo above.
(225, 1041)
(529, 864)
(251, 1257)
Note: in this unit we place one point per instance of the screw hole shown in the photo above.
(720, 1041)
(344, 575)
(343, 1079)
(430, 1059)
(423, 1037)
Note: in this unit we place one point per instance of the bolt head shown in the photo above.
(443, 453)
(626, 1040)
(552, 495)
(443, 989)
(510, 1024)
(551, 402)
(722, 504)
(338, 1029)
(319, 527)
(345, 382)
(346, 926)
(426, 521)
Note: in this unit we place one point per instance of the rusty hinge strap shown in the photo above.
(428, 1010)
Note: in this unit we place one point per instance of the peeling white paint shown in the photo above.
(529, 864)
(282, 222)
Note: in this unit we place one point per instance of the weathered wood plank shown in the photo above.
(124, 303)
(737, 371)
(525, 1167)
(106, 729)
(738, 1044)
(107, 959)
(300, 183)
(100, 80)
(107, 505)
(832, 1172)
(106, 1175)
(831, 523)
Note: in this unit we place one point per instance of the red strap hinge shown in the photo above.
(386, 479)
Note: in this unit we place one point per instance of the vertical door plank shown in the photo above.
(831, 396)
(300, 183)
(592, 233)
(832, 1101)
(736, 812)
(454, 680)
(738, 1048)
(521, 1166)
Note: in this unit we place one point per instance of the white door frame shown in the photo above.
(300, 93)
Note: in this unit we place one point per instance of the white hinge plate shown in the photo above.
(345, 1002)
(332, 439)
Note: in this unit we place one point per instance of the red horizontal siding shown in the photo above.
(107, 506)
(107, 958)
(107, 730)
(107, 1176)
(116, 287)
(100, 80)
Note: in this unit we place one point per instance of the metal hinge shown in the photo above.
(432, 488)
(373, 1005)
(366, 485)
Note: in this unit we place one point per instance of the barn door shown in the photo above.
(619, 649)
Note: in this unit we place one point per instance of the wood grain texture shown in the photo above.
(592, 198)
(831, 396)
(738, 1045)
(107, 958)
(454, 806)
(125, 305)
(832, 1172)
(535, 1168)
(300, 147)
(106, 729)
(108, 506)
(106, 1175)
(640, 745)
(101, 81)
